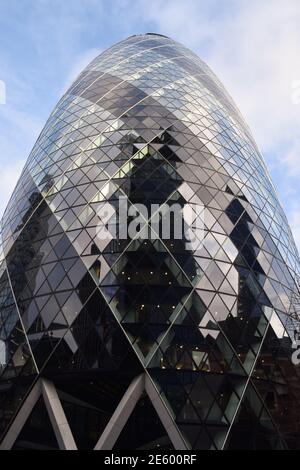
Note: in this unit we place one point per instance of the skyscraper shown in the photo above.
(144, 342)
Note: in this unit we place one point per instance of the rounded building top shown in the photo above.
(149, 34)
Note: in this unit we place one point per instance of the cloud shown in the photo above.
(19, 130)
(294, 217)
(79, 64)
(253, 47)
(291, 159)
(9, 176)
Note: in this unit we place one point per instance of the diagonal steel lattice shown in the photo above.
(209, 328)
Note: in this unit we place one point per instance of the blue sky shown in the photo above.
(252, 45)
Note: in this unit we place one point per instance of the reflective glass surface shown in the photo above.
(213, 327)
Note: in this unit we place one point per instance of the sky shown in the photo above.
(252, 45)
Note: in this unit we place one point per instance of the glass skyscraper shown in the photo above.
(144, 343)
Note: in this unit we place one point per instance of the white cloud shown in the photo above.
(9, 176)
(253, 47)
(294, 217)
(291, 159)
(2, 92)
(79, 64)
(19, 130)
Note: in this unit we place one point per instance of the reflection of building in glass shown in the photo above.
(147, 343)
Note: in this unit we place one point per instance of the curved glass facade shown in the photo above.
(209, 329)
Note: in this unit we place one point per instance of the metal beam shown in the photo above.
(113, 429)
(122, 413)
(125, 408)
(165, 416)
(21, 417)
(57, 417)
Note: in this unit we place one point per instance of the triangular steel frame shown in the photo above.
(60, 425)
(45, 388)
